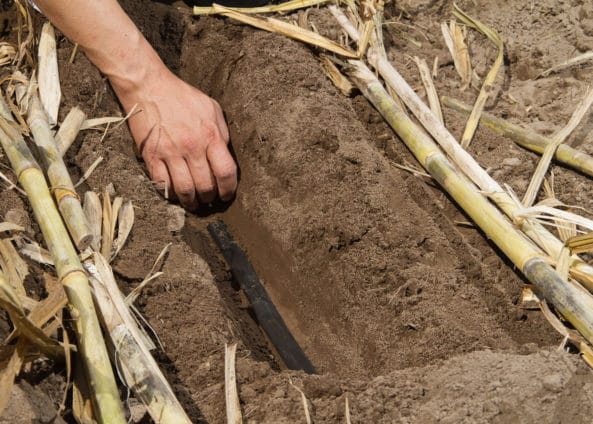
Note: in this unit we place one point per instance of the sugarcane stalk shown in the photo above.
(91, 344)
(62, 186)
(69, 129)
(530, 140)
(568, 299)
(580, 270)
(139, 369)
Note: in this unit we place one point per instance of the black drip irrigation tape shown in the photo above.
(266, 313)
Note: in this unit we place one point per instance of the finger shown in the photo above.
(224, 169)
(203, 179)
(160, 177)
(222, 125)
(183, 183)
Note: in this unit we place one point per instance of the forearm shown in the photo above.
(181, 133)
(108, 37)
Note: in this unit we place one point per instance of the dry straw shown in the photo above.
(129, 343)
(49, 79)
(530, 140)
(431, 92)
(14, 356)
(94, 214)
(7, 53)
(334, 74)
(304, 401)
(286, 29)
(282, 7)
(574, 61)
(233, 405)
(465, 161)
(70, 272)
(137, 366)
(571, 301)
(488, 85)
(10, 302)
(557, 291)
(550, 149)
(455, 41)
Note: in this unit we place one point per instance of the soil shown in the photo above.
(408, 313)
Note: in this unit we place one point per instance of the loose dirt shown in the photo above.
(406, 311)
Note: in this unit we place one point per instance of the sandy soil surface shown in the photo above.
(405, 313)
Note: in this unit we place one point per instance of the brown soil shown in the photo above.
(409, 315)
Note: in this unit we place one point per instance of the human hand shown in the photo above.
(179, 130)
(182, 136)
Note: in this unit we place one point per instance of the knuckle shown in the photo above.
(210, 133)
(150, 152)
(227, 171)
(206, 188)
(187, 143)
(185, 191)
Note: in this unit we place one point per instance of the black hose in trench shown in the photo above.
(265, 312)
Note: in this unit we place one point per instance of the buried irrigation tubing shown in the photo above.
(265, 312)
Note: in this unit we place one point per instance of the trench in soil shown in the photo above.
(367, 264)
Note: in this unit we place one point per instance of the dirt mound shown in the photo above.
(404, 312)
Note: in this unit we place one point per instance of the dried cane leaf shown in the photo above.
(125, 224)
(89, 171)
(575, 61)
(233, 405)
(115, 207)
(7, 53)
(10, 226)
(286, 29)
(94, 215)
(550, 149)
(347, 411)
(107, 238)
(553, 216)
(563, 263)
(49, 79)
(488, 85)
(10, 301)
(10, 372)
(565, 230)
(431, 92)
(456, 44)
(304, 401)
(334, 74)
(529, 299)
(52, 304)
(580, 244)
(97, 122)
(43, 311)
(13, 266)
(33, 251)
(282, 7)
